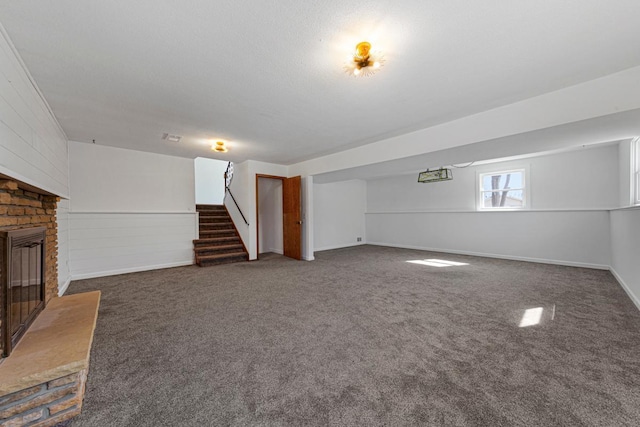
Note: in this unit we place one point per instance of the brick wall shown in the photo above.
(20, 208)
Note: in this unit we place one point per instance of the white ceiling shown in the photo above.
(269, 77)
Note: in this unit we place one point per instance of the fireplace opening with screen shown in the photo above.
(22, 253)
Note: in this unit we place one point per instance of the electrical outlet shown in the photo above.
(359, 239)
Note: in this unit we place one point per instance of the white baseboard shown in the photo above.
(626, 288)
(281, 252)
(272, 251)
(486, 255)
(63, 288)
(328, 248)
(130, 270)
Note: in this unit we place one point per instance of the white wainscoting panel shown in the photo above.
(104, 244)
(575, 238)
(625, 250)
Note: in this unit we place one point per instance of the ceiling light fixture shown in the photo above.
(437, 175)
(365, 61)
(220, 147)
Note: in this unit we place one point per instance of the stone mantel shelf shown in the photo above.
(57, 344)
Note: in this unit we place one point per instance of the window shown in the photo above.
(502, 190)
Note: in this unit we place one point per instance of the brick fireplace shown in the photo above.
(21, 207)
(42, 381)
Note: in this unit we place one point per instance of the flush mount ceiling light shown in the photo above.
(220, 147)
(365, 61)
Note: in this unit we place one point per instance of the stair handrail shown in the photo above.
(228, 176)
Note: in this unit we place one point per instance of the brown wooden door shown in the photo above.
(291, 208)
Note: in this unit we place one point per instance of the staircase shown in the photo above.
(219, 242)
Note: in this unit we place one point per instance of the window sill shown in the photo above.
(626, 208)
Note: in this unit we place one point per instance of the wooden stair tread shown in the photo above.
(222, 227)
(222, 256)
(218, 247)
(213, 235)
(212, 208)
(216, 240)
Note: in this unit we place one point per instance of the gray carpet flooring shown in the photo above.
(361, 337)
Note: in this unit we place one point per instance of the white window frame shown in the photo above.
(526, 193)
(635, 171)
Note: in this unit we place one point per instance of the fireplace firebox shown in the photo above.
(22, 281)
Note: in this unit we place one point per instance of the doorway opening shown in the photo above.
(270, 215)
(278, 215)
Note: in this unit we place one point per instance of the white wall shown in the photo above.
(209, 181)
(625, 250)
(339, 214)
(129, 211)
(576, 238)
(270, 215)
(308, 221)
(625, 229)
(581, 179)
(33, 148)
(241, 188)
(108, 179)
(571, 194)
